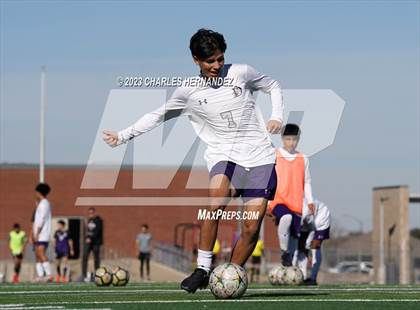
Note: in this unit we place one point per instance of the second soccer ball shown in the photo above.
(120, 276)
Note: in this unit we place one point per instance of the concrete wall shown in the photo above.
(394, 201)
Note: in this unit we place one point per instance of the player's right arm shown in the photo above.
(10, 242)
(25, 242)
(172, 108)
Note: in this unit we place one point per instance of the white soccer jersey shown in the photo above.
(225, 118)
(43, 219)
(320, 220)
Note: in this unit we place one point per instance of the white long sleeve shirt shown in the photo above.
(225, 118)
(43, 220)
(319, 220)
(307, 186)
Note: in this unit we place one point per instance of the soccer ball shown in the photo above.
(103, 277)
(276, 275)
(228, 281)
(120, 276)
(293, 276)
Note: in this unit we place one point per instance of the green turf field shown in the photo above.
(168, 296)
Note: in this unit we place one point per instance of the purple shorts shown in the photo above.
(60, 253)
(322, 234)
(41, 243)
(280, 210)
(249, 183)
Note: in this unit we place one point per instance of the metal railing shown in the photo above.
(172, 256)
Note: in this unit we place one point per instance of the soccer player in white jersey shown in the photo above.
(315, 229)
(41, 230)
(240, 155)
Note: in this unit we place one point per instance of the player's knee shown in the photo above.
(285, 220)
(315, 244)
(250, 230)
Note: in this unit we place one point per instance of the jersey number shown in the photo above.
(228, 115)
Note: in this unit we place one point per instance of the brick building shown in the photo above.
(121, 223)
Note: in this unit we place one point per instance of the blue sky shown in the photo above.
(368, 53)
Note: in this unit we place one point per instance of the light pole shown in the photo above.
(382, 268)
(42, 129)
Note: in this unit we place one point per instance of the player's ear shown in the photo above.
(196, 60)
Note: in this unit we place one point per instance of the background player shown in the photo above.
(93, 242)
(63, 247)
(240, 155)
(144, 244)
(17, 244)
(256, 256)
(41, 232)
(293, 184)
(315, 229)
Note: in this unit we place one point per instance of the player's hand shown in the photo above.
(88, 240)
(311, 208)
(71, 253)
(274, 126)
(110, 137)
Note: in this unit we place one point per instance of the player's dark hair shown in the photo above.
(91, 209)
(291, 130)
(145, 226)
(16, 225)
(61, 222)
(204, 43)
(43, 188)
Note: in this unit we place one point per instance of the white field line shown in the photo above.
(228, 301)
(49, 307)
(157, 285)
(80, 289)
(22, 307)
(128, 290)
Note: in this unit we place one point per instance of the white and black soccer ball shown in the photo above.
(228, 281)
(103, 276)
(293, 276)
(276, 275)
(120, 276)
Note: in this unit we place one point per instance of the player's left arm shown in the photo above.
(54, 241)
(259, 81)
(151, 245)
(308, 187)
(71, 246)
(43, 210)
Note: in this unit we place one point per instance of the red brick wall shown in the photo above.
(122, 223)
